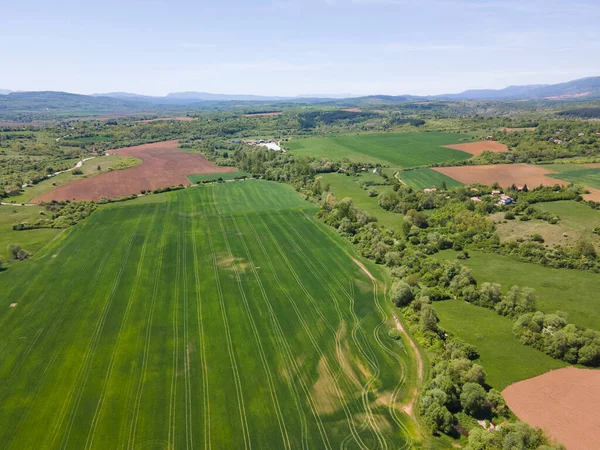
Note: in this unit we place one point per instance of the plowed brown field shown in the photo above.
(565, 403)
(504, 174)
(475, 148)
(508, 174)
(163, 164)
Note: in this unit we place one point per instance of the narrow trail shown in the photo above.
(407, 408)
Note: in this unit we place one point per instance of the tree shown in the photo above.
(585, 249)
(14, 249)
(496, 402)
(475, 374)
(439, 418)
(388, 200)
(401, 293)
(428, 319)
(473, 398)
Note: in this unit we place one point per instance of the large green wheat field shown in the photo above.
(218, 317)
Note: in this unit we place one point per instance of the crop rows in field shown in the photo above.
(224, 317)
(399, 150)
(427, 178)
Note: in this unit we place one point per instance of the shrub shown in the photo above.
(536, 237)
(401, 293)
(509, 215)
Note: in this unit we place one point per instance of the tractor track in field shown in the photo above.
(261, 351)
(148, 335)
(234, 366)
(371, 359)
(109, 372)
(290, 354)
(93, 344)
(326, 366)
(202, 342)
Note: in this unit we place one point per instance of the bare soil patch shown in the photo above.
(475, 148)
(163, 164)
(565, 403)
(356, 110)
(509, 174)
(12, 305)
(504, 174)
(159, 119)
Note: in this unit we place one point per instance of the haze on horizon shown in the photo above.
(296, 47)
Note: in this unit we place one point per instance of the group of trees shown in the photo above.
(17, 252)
(552, 334)
(59, 215)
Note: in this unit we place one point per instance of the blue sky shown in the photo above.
(295, 47)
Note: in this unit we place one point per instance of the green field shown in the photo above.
(504, 359)
(31, 240)
(588, 177)
(342, 186)
(571, 291)
(206, 177)
(427, 178)
(219, 316)
(575, 215)
(394, 149)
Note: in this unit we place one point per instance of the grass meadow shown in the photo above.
(219, 316)
(504, 359)
(572, 291)
(399, 150)
(578, 174)
(427, 178)
(31, 240)
(342, 186)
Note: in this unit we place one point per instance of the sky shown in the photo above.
(295, 47)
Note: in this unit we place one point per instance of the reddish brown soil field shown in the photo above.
(504, 174)
(182, 119)
(356, 110)
(163, 164)
(565, 403)
(267, 114)
(475, 148)
(508, 174)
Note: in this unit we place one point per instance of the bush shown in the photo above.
(401, 293)
(509, 215)
(473, 398)
(536, 237)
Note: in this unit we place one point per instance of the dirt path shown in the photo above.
(407, 408)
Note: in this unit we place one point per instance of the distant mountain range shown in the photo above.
(576, 88)
(12, 102)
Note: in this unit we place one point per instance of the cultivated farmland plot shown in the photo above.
(224, 317)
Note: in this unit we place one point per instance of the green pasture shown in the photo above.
(342, 186)
(225, 176)
(219, 316)
(574, 215)
(427, 178)
(504, 359)
(586, 176)
(31, 240)
(394, 149)
(572, 291)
